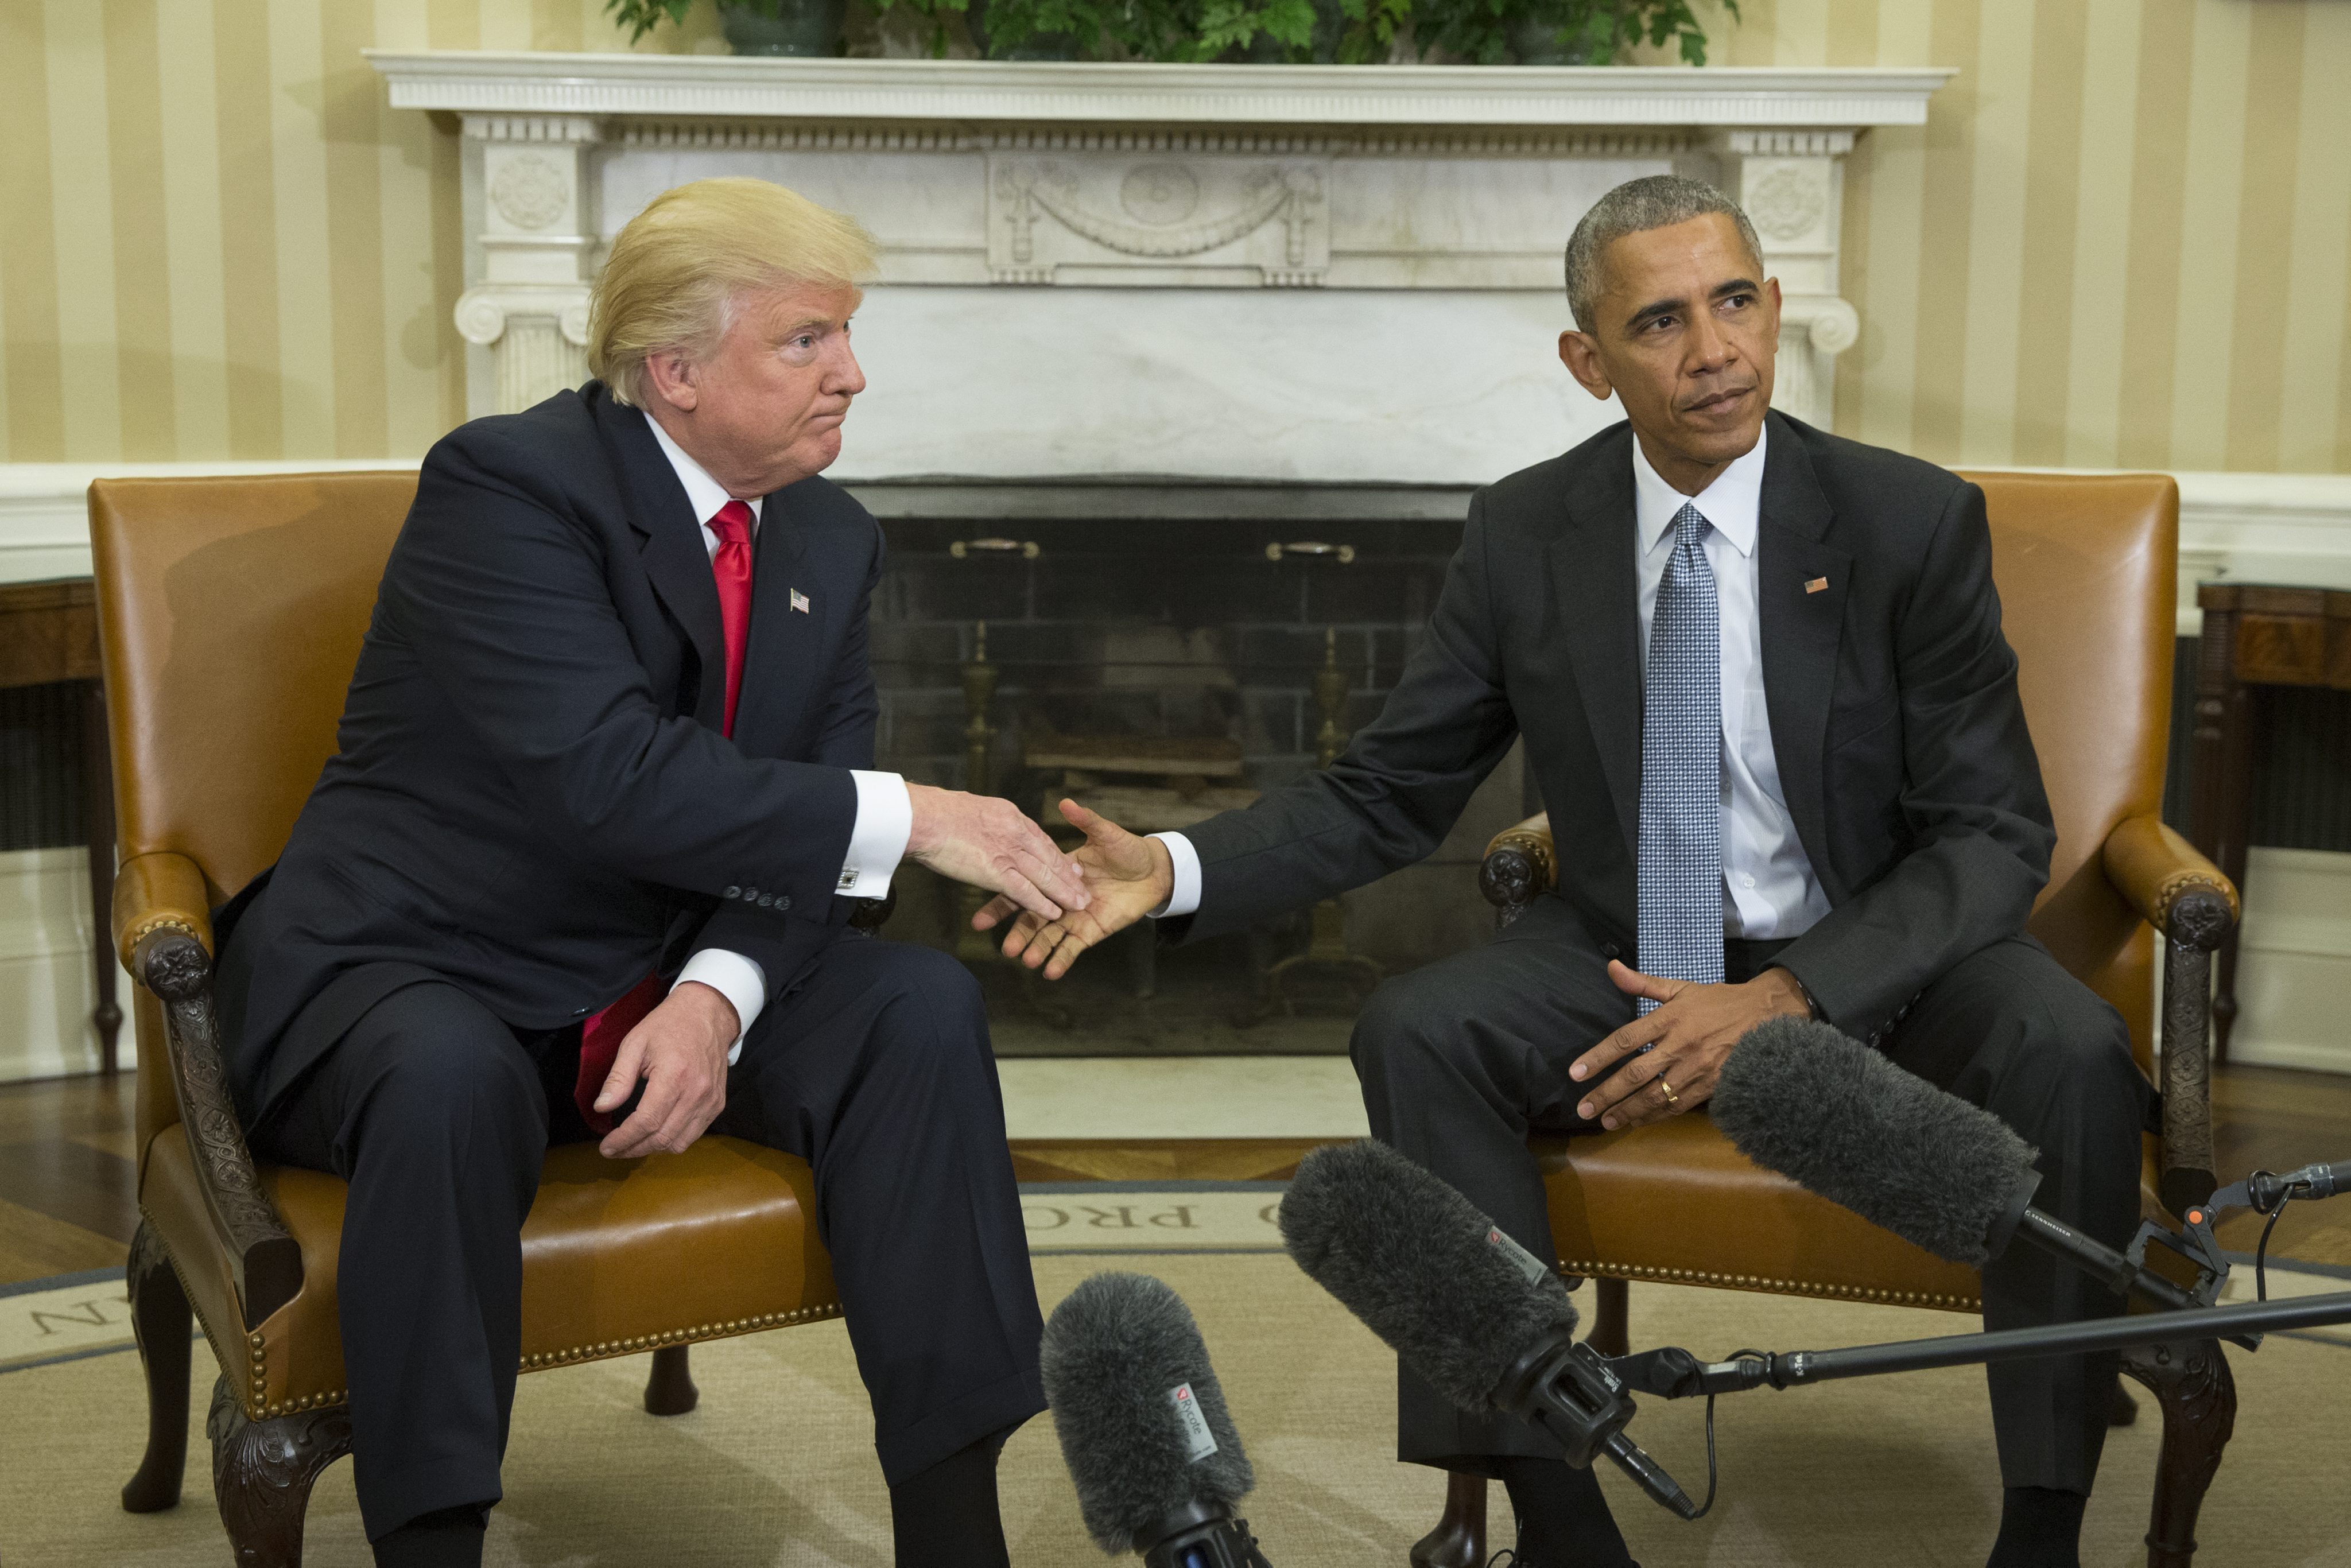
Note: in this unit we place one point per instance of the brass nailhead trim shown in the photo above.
(259, 1408)
(540, 1361)
(2177, 885)
(148, 928)
(1935, 1299)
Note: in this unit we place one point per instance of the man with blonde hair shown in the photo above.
(584, 866)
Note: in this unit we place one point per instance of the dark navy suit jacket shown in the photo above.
(531, 797)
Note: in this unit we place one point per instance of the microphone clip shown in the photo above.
(1571, 1392)
(2195, 1242)
(1204, 1535)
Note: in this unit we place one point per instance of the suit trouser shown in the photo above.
(1461, 1060)
(874, 1067)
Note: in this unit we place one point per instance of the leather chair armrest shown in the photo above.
(156, 891)
(164, 931)
(1521, 864)
(2187, 899)
(2154, 868)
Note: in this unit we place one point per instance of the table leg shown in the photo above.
(2242, 729)
(97, 832)
(2219, 798)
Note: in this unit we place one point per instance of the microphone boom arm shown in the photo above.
(1672, 1373)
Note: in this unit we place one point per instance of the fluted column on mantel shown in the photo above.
(529, 197)
(1791, 184)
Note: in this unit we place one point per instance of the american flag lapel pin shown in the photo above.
(1814, 585)
(799, 602)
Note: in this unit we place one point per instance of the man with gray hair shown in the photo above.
(1760, 677)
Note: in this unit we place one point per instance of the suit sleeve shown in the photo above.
(1972, 802)
(1403, 783)
(500, 590)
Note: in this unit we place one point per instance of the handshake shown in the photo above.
(1059, 905)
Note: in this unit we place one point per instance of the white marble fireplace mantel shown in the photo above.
(1326, 273)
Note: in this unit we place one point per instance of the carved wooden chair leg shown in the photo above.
(262, 1472)
(160, 1319)
(669, 1389)
(1460, 1539)
(2197, 1395)
(1609, 1308)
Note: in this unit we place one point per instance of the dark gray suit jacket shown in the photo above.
(1901, 745)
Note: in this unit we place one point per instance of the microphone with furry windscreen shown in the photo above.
(1484, 1321)
(1158, 1467)
(1816, 1105)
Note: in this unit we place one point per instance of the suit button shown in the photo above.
(579, 1012)
(1610, 950)
(765, 899)
(783, 901)
(732, 893)
(751, 893)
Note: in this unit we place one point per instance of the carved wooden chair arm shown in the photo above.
(1521, 864)
(2154, 868)
(164, 931)
(2184, 896)
(157, 890)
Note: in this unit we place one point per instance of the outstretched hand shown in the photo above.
(988, 843)
(1682, 1044)
(1126, 878)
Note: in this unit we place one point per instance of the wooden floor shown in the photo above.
(67, 1202)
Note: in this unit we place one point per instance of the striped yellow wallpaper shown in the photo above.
(2123, 237)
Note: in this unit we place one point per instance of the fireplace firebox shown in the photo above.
(1163, 649)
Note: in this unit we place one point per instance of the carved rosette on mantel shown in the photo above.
(1791, 184)
(528, 255)
(1040, 180)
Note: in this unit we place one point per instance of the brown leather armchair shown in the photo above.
(231, 613)
(2086, 569)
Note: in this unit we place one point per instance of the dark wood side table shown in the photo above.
(2256, 635)
(49, 633)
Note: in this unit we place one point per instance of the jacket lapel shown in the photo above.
(1800, 630)
(786, 643)
(1597, 593)
(670, 548)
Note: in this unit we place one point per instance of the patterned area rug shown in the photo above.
(776, 1467)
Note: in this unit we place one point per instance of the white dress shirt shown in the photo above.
(885, 817)
(1768, 889)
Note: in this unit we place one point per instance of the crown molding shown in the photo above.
(472, 82)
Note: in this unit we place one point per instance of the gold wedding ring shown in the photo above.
(1671, 1098)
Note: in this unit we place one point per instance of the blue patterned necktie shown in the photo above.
(1680, 860)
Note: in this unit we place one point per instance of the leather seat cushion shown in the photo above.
(1677, 1202)
(618, 1256)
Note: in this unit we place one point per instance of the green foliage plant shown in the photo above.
(1350, 32)
(1584, 32)
(641, 16)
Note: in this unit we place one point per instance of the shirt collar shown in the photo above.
(1733, 503)
(702, 493)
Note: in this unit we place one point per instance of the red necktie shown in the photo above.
(600, 1037)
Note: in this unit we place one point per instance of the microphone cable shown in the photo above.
(2261, 1252)
(1711, 1479)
